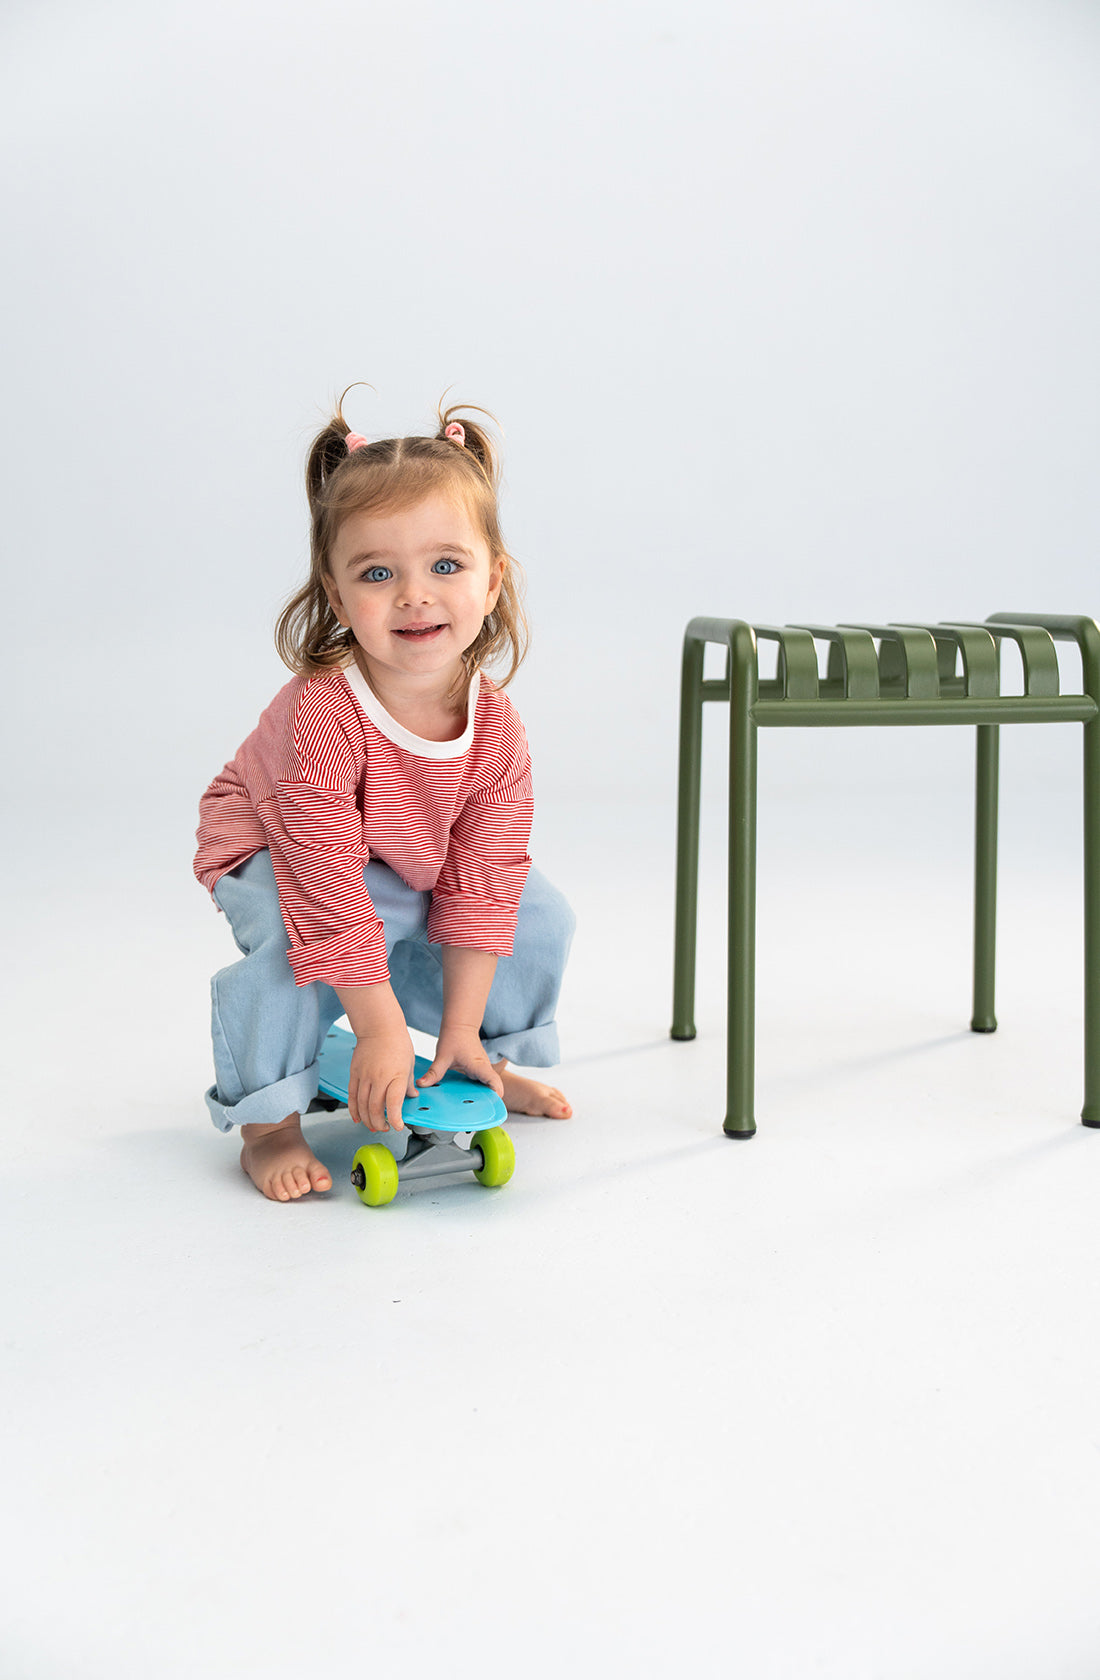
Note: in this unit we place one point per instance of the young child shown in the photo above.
(368, 843)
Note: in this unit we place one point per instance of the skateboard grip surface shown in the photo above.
(456, 1104)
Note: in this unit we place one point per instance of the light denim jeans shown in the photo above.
(268, 1031)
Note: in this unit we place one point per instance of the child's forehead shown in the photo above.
(438, 514)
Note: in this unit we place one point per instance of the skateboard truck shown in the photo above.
(430, 1155)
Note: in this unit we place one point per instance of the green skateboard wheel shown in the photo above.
(374, 1174)
(498, 1156)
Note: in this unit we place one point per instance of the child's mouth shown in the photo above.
(420, 632)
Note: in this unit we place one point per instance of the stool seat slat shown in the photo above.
(796, 666)
(907, 660)
(981, 677)
(853, 663)
(1037, 654)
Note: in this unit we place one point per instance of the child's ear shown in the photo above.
(496, 580)
(334, 600)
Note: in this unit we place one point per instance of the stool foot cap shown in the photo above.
(1093, 1124)
(739, 1131)
(682, 1037)
(983, 1026)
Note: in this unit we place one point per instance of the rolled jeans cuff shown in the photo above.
(531, 1047)
(291, 1095)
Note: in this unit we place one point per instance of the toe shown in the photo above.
(320, 1177)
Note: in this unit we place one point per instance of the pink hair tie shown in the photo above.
(355, 441)
(457, 432)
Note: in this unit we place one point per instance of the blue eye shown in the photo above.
(446, 567)
(378, 574)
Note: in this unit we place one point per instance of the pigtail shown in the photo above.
(308, 635)
(328, 451)
(478, 441)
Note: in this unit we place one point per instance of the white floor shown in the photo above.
(819, 1404)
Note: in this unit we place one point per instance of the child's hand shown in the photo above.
(462, 1049)
(381, 1078)
(382, 1063)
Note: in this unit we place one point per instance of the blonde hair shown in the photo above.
(383, 476)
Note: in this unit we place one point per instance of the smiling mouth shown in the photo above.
(420, 632)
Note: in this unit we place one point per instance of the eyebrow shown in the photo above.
(374, 555)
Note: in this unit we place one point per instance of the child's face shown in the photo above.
(414, 585)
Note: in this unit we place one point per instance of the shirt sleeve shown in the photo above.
(319, 852)
(475, 901)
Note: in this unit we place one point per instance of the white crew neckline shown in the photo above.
(388, 726)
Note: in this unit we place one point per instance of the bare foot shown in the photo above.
(280, 1162)
(528, 1096)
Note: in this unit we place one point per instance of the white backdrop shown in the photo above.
(786, 311)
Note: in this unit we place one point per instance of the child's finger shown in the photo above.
(493, 1080)
(375, 1108)
(483, 1073)
(432, 1077)
(486, 1074)
(395, 1096)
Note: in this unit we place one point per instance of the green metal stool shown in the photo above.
(888, 674)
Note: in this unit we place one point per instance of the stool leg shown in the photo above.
(687, 841)
(741, 971)
(985, 880)
(1090, 1113)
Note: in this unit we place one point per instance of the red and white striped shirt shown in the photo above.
(328, 779)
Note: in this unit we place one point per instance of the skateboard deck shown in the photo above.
(456, 1104)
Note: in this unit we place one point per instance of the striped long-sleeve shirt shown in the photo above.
(328, 779)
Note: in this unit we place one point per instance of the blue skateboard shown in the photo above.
(434, 1118)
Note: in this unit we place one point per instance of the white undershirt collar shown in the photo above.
(397, 733)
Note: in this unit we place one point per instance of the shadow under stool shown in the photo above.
(882, 675)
